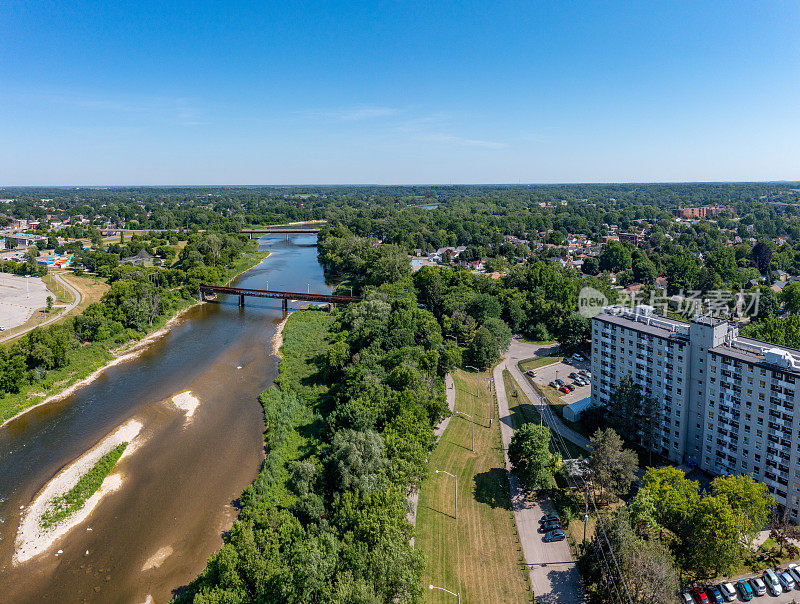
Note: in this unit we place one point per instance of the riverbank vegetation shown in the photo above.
(138, 300)
(347, 436)
(70, 502)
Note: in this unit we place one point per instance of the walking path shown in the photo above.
(65, 310)
(438, 430)
(553, 573)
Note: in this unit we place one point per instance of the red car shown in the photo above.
(700, 596)
(564, 389)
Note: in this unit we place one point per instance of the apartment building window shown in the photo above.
(763, 372)
(750, 381)
(708, 449)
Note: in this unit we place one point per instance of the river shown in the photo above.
(179, 489)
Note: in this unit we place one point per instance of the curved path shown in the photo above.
(75, 302)
(553, 573)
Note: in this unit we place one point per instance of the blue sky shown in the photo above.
(397, 92)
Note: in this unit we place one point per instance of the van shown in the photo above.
(773, 585)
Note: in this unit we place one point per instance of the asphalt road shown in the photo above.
(552, 569)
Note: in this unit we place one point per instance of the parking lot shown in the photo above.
(549, 373)
(784, 598)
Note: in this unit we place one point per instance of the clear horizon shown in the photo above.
(398, 94)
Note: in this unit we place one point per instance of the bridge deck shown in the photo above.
(266, 293)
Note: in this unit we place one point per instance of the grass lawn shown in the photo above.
(537, 362)
(478, 555)
(523, 411)
(91, 288)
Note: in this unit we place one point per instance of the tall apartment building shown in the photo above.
(724, 402)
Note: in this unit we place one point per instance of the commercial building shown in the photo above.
(723, 402)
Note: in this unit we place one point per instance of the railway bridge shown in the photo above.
(329, 299)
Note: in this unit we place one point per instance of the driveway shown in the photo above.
(519, 351)
(552, 570)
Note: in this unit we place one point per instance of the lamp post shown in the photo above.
(453, 337)
(457, 595)
(473, 428)
(456, 490)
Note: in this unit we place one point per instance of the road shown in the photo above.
(75, 302)
(519, 351)
(552, 569)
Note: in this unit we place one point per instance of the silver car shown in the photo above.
(773, 584)
(787, 582)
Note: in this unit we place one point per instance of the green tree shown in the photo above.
(49, 307)
(484, 349)
(530, 456)
(748, 499)
(612, 467)
(500, 331)
(614, 257)
(790, 296)
(715, 543)
(762, 255)
(675, 497)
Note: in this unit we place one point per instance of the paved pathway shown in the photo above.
(553, 573)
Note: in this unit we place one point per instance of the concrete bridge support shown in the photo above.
(285, 305)
(241, 300)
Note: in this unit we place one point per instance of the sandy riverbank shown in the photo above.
(32, 538)
(127, 352)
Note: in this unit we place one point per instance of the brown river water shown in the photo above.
(155, 533)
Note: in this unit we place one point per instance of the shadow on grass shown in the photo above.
(491, 487)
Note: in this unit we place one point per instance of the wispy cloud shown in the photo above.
(352, 114)
(451, 139)
(181, 110)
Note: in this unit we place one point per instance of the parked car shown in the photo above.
(715, 595)
(568, 387)
(728, 592)
(787, 582)
(573, 375)
(585, 373)
(563, 389)
(578, 357)
(795, 572)
(745, 591)
(549, 518)
(686, 598)
(550, 525)
(700, 596)
(758, 585)
(556, 535)
(580, 382)
(772, 583)
(553, 385)
(531, 373)
(560, 382)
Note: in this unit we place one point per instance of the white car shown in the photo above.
(530, 373)
(728, 592)
(794, 570)
(771, 579)
(686, 598)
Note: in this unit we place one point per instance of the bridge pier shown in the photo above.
(202, 295)
(285, 305)
(330, 306)
(241, 300)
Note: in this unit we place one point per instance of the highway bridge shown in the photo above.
(329, 299)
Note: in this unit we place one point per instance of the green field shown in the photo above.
(537, 362)
(479, 554)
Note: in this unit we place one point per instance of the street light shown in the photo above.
(454, 337)
(457, 595)
(473, 428)
(456, 490)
